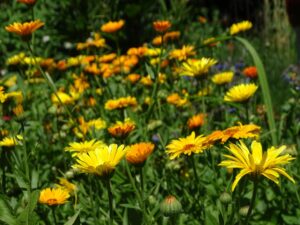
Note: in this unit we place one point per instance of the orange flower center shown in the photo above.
(188, 147)
(52, 201)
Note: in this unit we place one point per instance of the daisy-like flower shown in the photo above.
(54, 196)
(240, 27)
(84, 147)
(187, 146)
(257, 162)
(196, 67)
(27, 2)
(63, 97)
(120, 103)
(161, 25)
(240, 93)
(11, 141)
(183, 53)
(122, 129)
(138, 153)
(24, 29)
(112, 26)
(102, 161)
(222, 78)
(133, 78)
(173, 35)
(250, 72)
(196, 121)
(176, 100)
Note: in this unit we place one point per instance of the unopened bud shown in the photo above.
(244, 210)
(170, 206)
(225, 198)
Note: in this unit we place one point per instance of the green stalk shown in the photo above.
(110, 200)
(252, 203)
(264, 87)
(53, 214)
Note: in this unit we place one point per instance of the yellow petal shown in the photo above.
(238, 177)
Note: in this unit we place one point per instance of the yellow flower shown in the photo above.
(16, 59)
(197, 67)
(112, 26)
(188, 145)
(54, 196)
(196, 121)
(63, 97)
(222, 78)
(176, 100)
(183, 53)
(146, 81)
(240, 93)
(107, 58)
(138, 153)
(120, 103)
(24, 29)
(18, 110)
(157, 40)
(161, 25)
(85, 126)
(83, 147)
(122, 129)
(67, 185)
(11, 141)
(239, 27)
(102, 161)
(2, 95)
(97, 124)
(257, 162)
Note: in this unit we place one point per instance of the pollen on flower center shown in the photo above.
(188, 147)
(52, 201)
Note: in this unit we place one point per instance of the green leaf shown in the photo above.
(150, 72)
(6, 216)
(72, 220)
(290, 219)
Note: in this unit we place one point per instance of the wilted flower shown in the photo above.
(257, 162)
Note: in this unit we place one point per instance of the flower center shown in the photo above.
(188, 147)
(52, 201)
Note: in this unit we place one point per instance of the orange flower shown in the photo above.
(138, 153)
(121, 129)
(120, 103)
(133, 77)
(250, 72)
(161, 25)
(24, 29)
(202, 19)
(112, 26)
(196, 121)
(27, 2)
(171, 35)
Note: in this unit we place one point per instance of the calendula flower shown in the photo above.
(133, 78)
(54, 196)
(27, 2)
(107, 58)
(16, 59)
(172, 35)
(157, 40)
(63, 97)
(138, 153)
(67, 185)
(11, 141)
(176, 100)
(83, 147)
(120, 103)
(140, 51)
(257, 162)
(196, 67)
(24, 29)
(250, 72)
(183, 53)
(240, 27)
(187, 146)
(102, 161)
(240, 93)
(196, 121)
(161, 25)
(122, 129)
(222, 78)
(112, 26)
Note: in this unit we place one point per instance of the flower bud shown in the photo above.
(244, 210)
(225, 198)
(170, 206)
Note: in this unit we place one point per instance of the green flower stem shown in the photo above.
(110, 201)
(194, 169)
(3, 167)
(53, 215)
(247, 112)
(252, 203)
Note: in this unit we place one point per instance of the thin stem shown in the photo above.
(247, 112)
(110, 200)
(53, 214)
(194, 169)
(252, 203)
(3, 165)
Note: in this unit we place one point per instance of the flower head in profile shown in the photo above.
(112, 26)
(240, 27)
(122, 129)
(161, 25)
(11, 141)
(256, 162)
(102, 161)
(196, 67)
(138, 153)
(84, 147)
(187, 146)
(222, 78)
(54, 196)
(24, 29)
(120, 103)
(250, 72)
(196, 121)
(240, 93)
(27, 2)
